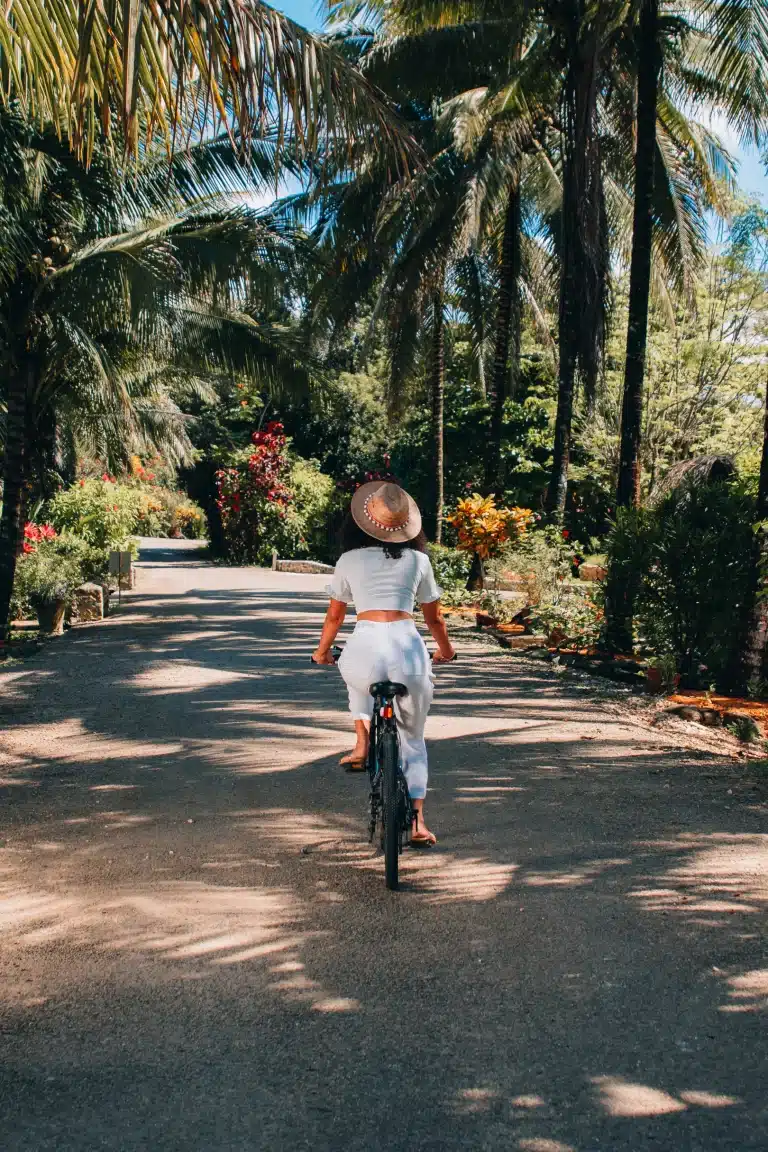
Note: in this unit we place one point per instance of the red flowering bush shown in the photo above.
(266, 500)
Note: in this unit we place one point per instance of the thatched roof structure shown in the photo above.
(694, 473)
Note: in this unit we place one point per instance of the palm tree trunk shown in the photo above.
(649, 68)
(619, 598)
(583, 256)
(437, 382)
(507, 339)
(14, 474)
(561, 452)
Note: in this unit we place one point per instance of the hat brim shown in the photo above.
(400, 535)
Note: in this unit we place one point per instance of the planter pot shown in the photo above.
(50, 617)
(657, 682)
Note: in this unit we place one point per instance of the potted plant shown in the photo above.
(47, 580)
(662, 674)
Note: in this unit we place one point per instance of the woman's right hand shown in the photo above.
(440, 657)
(323, 656)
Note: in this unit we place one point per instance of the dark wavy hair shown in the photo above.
(351, 536)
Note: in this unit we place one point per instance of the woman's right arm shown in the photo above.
(334, 618)
(434, 620)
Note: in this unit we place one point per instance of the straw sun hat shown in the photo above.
(386, 512)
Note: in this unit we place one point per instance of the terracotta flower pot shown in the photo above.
(50, 617)
(656, 681)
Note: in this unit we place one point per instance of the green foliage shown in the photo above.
(542, 561)
(46, 575)
(313, 496)
(745, 729)
(271, 501)
(705, 368)
(525, 447)
(689, 563)
(451, 567)
(102, 512)
(168, 512)
(92, 562)
(343, 425)
(105, 514)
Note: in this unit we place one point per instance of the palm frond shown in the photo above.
(187, 71)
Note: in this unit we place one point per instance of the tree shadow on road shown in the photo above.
(577, 966)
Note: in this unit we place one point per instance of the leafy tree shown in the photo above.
(105, 284)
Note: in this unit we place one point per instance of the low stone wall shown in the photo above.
(306, 566)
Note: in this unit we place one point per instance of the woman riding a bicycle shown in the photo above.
(385, 571)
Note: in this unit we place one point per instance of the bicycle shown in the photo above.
(391, 808)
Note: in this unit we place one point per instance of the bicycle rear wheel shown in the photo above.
(390, 811)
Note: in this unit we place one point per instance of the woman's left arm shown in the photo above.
(434, 620)
(334, 618)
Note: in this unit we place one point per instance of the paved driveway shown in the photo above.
(198, 952)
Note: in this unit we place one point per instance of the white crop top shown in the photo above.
(374, 581)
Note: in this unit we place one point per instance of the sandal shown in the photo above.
(423, 839)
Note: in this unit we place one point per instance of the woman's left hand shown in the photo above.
(319, 656)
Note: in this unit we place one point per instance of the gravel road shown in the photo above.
(198, 954)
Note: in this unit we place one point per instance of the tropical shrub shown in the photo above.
(104, 513)
(190, 520)
(92, 562)
(167, 512)
(690, 561)
(44, 574)
(312, 499)
(543, 562)
(482, 528)
(450, 565)
(270, 502)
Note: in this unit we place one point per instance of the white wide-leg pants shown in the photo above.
(393, 651)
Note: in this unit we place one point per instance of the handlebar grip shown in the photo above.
(335, 652)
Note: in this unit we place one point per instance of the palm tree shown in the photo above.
(715, 67)
(468, 65)
(100, 276)
(174, 73)
(581, 35)
(725, 61)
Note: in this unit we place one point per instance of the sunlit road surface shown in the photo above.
(198, 952)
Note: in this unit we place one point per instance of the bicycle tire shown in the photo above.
(390, 808)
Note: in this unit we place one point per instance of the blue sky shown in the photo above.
(752, 176)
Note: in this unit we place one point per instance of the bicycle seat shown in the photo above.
(387, 689)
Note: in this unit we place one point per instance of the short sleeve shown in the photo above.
(339, 588)
(427, 591)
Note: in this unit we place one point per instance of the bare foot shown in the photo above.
(421, 834)
(357, 757)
